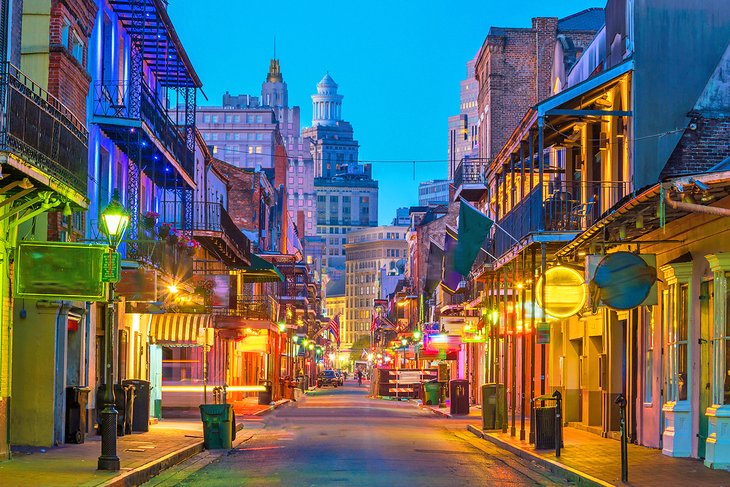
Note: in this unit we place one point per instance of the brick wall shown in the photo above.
(513, 70)
(698, 150)
(67, 77)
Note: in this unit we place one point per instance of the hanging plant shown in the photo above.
(164, 230)
(149, 219)
(173, 237)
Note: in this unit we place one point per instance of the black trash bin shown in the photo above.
(141, 404)
(489, 406)
(459, 393)
(123, 403)
(265, 396)
(545, 428)
(76, 400)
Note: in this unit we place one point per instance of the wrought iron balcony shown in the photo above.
(564, 208)
(41, 131)
(166, 257)
(469, 179)
(213, 227)
(137, 122)
(261, 308)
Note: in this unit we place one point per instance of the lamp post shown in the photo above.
(113, 223)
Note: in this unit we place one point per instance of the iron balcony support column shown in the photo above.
(504, 351)
(541, 169)
(523, 348)
(513, 346)
(532, 342)
(543, 347)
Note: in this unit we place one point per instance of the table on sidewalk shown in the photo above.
(600, 458)
(76, 464)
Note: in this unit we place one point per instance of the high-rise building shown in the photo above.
(463, 141)
(246, 130)
(402, 217)
(347, 195)
(434, 192)
(368, 251)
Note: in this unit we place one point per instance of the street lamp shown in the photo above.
(113, 223)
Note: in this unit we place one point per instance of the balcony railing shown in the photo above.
(565, 207)
(208, 218)
(115, 99)
(41, 130)
(263, 308)
(469, 172)
(171, 259)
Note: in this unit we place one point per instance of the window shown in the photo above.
(215, 118)
(259, 136)
(258, 149)
(259, 119)
(236, 119)
(676, 306)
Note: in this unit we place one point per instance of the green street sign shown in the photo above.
(110, 267)
(542, 337)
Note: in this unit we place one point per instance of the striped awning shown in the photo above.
(178, 329)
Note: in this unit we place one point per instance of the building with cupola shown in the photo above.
(347, 195)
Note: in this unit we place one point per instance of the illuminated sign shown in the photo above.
(564, 290)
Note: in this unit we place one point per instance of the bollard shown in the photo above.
(558, 423)
(621, 401)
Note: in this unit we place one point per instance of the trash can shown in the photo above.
(218, 429)
(489, 406)
(459, 393)
(265, 396)
(432, 393)
(545, 428)
(123, 403)
(141, 404)
(76, 400)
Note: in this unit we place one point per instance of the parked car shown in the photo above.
(327, 378)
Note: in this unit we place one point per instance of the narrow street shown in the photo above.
(341, 437)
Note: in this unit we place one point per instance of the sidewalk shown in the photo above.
(475, 412)
(142, 455)
(167, 443)
(589, 459)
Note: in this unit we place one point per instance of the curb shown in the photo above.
(142, 474)
(572, 475)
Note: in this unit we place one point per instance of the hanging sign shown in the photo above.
(542, 333)
(111, 268)
(622, 281)
(565, 291)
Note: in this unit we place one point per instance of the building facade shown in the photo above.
(250, 131)
(368, 251)
(463, 140)
(435, 192)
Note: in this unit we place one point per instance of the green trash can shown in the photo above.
(432, 393)
(217, 425)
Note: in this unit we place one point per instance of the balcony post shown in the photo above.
(522, 170)
(541, 168)
(512, 191)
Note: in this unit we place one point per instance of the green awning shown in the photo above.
(261, 270)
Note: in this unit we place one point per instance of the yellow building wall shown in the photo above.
(34, 51)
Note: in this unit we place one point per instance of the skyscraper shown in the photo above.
(246, 131)
(463, 127)
(347, 195)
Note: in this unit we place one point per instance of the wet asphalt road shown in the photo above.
(340, 437)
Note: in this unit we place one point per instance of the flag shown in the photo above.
(334, 326)
(450, 277)
(373, 322)
(434, 266)
(474, 227)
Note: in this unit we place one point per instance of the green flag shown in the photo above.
(474, 227)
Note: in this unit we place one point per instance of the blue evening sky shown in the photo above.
(398, 65)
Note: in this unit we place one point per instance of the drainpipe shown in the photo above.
(695, 208)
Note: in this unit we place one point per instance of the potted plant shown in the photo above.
(149, 219)
(173, 236)
(164, 230)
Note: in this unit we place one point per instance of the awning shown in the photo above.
(178, 329)
(261, 271)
